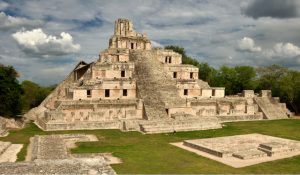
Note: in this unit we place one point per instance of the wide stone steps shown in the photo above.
(168, 126)
(269, 109)
(154, 85)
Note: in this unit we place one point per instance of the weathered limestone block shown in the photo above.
(248, 93)
(239, 109)
(167, 56)
(265, 93)
(207, 110)
(206, 92)
(182, 71)
(218, 92)
(224, 108)
(250, 109)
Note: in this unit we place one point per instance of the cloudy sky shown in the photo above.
(44, 40)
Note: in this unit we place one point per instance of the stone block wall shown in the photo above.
(114, 55)
(248, 93)
(87, 111)
(184, 72)
(188, 89)
(167, 56)
(107, 90)
(206, 92)
(113, 71)
(218, 92)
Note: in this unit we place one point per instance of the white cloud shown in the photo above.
(283, 50)
(36, 42)
(286, 49)
(248, 44)
(3, 5)
(7, 22)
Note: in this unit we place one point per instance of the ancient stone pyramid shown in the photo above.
(133, 86)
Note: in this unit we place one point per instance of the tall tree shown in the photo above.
(10, 92)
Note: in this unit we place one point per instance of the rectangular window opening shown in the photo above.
(124, 92)
(174, 74)
(132, 45)
(107, 93)
(213, 92)
(191, 75)
(185, 92)
(88, 93)
(123, 73)
(170, 59)
(166, 59)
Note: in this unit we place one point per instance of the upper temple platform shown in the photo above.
(125, 37)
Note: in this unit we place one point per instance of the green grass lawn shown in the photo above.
(153, 154)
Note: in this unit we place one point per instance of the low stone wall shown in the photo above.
(234, 118)
(80, 125)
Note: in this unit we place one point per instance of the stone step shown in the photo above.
(249, 154)
(271, 152)
(178, 125)
(270, 109)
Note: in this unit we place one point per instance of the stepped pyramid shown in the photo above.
(132, 86)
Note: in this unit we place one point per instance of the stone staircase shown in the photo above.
(154, 85)
(158, 91)
(270, 108)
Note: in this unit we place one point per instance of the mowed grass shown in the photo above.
(149, 154)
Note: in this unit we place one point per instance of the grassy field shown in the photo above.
(149, 154)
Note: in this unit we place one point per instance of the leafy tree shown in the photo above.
(206, 73)
(10, 92)
(33, 94)
(246, 78)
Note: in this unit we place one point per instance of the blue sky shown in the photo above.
(44, 40)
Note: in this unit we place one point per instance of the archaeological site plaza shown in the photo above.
(135, 87)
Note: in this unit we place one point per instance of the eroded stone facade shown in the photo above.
(133, 86)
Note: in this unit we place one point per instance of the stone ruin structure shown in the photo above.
(50, 154)
(133, 86)
(242, 150)
(9, 123)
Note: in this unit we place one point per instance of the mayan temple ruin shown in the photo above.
(134, 87)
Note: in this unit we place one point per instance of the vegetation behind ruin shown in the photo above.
(17, 98)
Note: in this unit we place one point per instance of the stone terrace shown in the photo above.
(243, 150)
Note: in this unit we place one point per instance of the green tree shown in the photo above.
(33, 94)
(10, 92)
(206, 73)
(246, 78)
